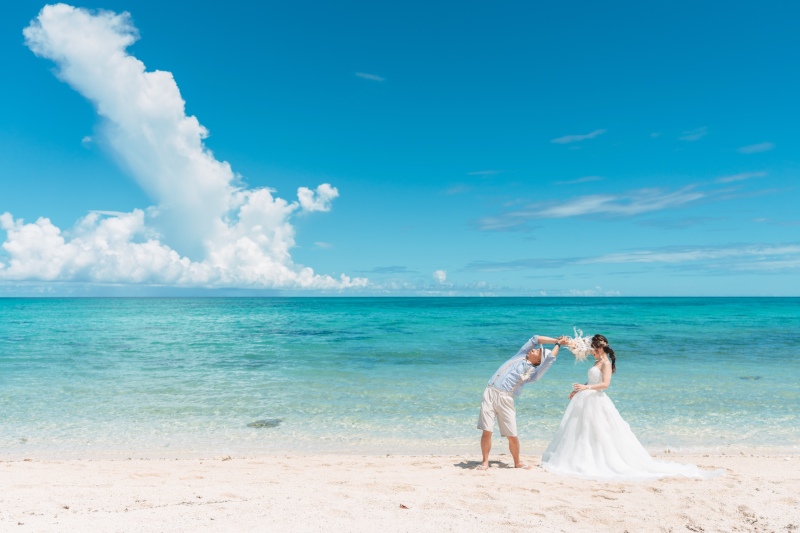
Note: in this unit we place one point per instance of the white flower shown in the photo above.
(579, 345)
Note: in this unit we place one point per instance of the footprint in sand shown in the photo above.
(603, 496)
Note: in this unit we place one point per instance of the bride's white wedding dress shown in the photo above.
(593, 441)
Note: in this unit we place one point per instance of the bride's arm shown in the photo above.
(603, 385)
(576, 391)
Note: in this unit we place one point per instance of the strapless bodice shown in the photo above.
(595, 376)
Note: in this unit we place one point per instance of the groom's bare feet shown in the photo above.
(482, 467)
(523, 466)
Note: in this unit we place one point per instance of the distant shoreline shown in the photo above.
(385, 297)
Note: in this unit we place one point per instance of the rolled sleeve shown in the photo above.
(544, 366)
(532, 343)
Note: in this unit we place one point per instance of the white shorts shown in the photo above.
(500, 404)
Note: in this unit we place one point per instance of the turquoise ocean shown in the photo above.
(157, 377)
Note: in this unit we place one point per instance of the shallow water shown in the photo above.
(380, 375)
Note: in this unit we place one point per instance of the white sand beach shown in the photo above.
(388, 493)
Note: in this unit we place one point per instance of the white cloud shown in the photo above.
(566, 139)
(740, 177)
(109, 213)
(485, 173)
(371, 77)
(740, 258)
(626, 204)
(585, 179)
(694, 135)
(319, 200)
(440, 276)
(630, 204)
(204, 230)
(438, 288)
(102, 249)
(458, 189)
(756, 148)
(122, 249)
(778, 254)
(596, 291)
(784, 223)
(513, 221)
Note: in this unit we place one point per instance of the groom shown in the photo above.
(529, 365)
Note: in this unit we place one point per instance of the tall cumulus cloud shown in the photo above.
(204, 229)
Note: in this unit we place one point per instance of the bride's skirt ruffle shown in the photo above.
(593, 441)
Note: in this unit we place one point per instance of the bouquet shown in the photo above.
(579, 345)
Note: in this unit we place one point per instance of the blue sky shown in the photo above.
(442, 148)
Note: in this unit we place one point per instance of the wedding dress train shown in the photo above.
(593, 441)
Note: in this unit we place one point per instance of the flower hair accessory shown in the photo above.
(579, 345)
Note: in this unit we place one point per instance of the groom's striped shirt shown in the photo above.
(510, 373)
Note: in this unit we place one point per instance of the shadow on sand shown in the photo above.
(472, 465)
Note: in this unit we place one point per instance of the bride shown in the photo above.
(593, 441)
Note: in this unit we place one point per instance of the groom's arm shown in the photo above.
(552, 340)
(540, 339)
(533, 341)
(545, 365)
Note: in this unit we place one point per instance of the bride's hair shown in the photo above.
(600, 341)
